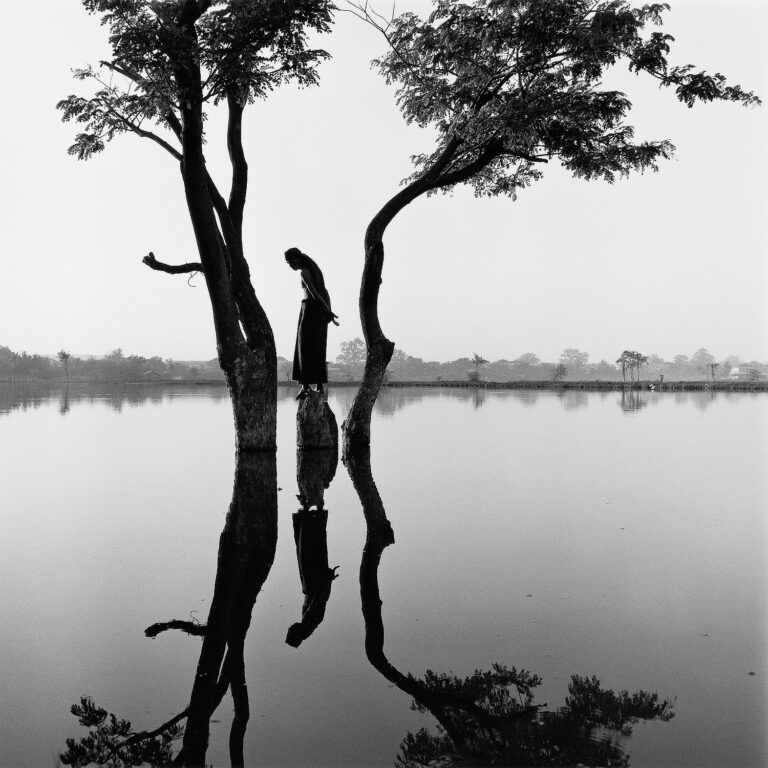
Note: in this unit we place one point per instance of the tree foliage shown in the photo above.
(493, 720)
(112, 741)
(509, 84)
(244, 48)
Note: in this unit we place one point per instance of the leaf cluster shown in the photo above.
(111, 741)
(490, 718)
(596, 706)
(508, 83)
(241, 50)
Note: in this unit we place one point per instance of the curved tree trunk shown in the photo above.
(357, 426)
(379, 349)
(379, 535)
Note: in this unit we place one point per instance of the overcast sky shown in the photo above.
(664, 263)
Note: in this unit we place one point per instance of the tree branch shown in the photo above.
(136, 77)
(190, 627)
(239, 164)
(171, 269)
(143, 735)
(493, 149)
(147, 135)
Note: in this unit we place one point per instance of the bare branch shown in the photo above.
(134, 128)
(171, 269)
(190, 627)
(361, 11)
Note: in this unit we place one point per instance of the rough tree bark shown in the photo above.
(316, 425)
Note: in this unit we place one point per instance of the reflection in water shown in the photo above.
(572, 399)
(315, 470)
(246, 552)
(706, 399)
(490, 718)
(22, 397)
(390, 400)
(64, 401)
(631, 400)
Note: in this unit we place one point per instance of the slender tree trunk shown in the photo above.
(379, 349)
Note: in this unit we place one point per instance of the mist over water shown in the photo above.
(616, 534)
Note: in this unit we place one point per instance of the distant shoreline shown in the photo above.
(593, 386)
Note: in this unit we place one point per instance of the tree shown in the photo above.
(559, 371)
(170, 62)
(626, 361)
(508, 86)
(702, 360)
(477, 361)
(638, 359)
(352, 357)
(574, 360)
(713, 370)
(64, 356)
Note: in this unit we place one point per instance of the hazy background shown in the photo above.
(663, 263)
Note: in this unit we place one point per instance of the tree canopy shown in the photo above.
(244, 48)
(511, 84)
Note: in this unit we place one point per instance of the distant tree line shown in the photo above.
(573, 365)
(113, 367)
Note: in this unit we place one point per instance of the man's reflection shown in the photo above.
(490, 718)
(315, 470)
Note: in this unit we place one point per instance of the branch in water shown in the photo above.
(190, 627)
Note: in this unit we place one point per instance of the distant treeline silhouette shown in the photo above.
(115, 366)
(573, 365)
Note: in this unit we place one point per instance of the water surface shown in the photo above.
(608, 534)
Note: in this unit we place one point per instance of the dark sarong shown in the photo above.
(309, 365)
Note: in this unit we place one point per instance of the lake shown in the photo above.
(621, 535)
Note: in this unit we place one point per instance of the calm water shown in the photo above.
(582, 534)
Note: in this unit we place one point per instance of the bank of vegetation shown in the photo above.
(573, 366)
(573, 369)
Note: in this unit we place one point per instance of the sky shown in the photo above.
(664, 262)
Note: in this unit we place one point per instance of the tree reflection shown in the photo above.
(631, 400)
(246, 553)
(64, 401)
(572, 399)
(24, 396)
(490, 717)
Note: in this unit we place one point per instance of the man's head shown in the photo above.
(293, 257)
